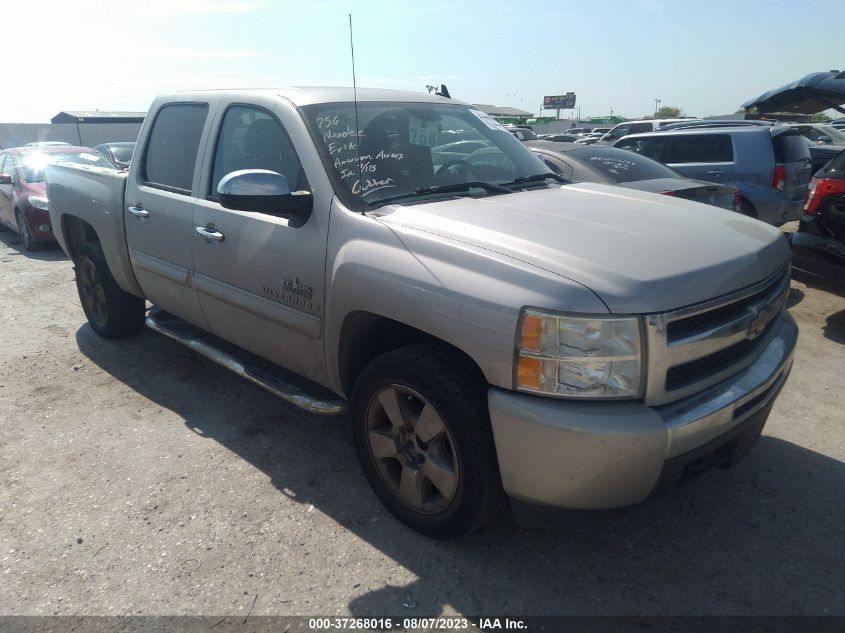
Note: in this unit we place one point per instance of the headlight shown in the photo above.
(577, 357)
(39, 202)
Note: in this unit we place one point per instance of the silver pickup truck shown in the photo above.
(492, 329)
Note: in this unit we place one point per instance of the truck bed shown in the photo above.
(96, 196)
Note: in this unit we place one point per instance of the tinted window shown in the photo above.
(173, 146)
(638, 128)
(702, 148)
(123, 153)
(622, 166)
(621, 130)
(558, 166)
(652, 147)
(790, 148)
(834, 169)
(251, 138)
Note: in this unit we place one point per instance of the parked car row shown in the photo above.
(613, 166)
(769, 165)
(23, 191)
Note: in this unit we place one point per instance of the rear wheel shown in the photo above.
(111, 312)
(423, 437)
(746, 208)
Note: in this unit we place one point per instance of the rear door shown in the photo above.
(792, 156)
(159, 208)
(701, 156)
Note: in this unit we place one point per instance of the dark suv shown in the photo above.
(770, 166)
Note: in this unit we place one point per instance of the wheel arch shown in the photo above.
(76, 232)
(364, 336)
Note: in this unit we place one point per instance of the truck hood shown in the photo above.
(638, 252)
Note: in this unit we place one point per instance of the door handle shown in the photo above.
(209, 233)
(139, 212)
(715, 172)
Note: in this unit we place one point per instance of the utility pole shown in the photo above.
(657, 102)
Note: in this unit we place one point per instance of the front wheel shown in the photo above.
(423, 437)
(111, 311)
(25, 234)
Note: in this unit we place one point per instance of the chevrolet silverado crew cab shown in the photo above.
(488, 327)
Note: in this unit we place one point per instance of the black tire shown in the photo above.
(423, 376)
(111, 312)
(746, 208)
(25, 234)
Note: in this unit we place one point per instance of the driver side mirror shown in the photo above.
(825, 139)
(264, 191)
(5, 179)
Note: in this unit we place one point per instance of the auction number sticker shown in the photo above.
(425, 133)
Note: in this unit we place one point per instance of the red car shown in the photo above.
(23, 191)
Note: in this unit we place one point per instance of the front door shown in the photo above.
(160, 206)
(259, 280)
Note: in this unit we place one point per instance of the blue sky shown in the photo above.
(705, 57)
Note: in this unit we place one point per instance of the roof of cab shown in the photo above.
(308, 95)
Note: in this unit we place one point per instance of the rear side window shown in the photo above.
(701, 148)
(790, 148)
(835, 168)
(639, 128)
(173, 146)
(652, 147)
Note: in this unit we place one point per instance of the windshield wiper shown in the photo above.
(535, 178)
(456, 187)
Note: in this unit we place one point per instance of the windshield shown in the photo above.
(620, 165)
(32, 166)
(406, 147)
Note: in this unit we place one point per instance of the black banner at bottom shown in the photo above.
(414, 624)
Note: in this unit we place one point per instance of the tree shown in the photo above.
(669, 112)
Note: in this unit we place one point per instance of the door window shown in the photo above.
(251, 138)
(558, 166)
(620, 130)
(701, 148)
(173, 146)
(638, 128)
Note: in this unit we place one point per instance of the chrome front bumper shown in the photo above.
(599, 455)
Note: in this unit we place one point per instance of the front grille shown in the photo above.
(702, 368)
(695, 347)
(698, 323)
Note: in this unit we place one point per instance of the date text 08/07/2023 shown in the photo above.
(411, 624)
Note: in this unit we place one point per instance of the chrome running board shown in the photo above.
(194, 338)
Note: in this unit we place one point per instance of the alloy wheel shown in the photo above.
(412, 448)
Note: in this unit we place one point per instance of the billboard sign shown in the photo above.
(563, 102)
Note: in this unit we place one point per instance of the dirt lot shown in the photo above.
(138, 478)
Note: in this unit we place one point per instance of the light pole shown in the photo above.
(657, 102)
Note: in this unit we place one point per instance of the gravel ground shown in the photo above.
(138, 478)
